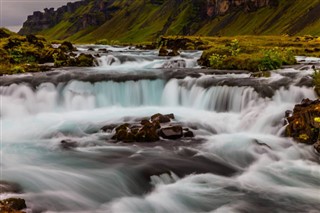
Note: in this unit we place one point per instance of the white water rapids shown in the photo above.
(238, 161)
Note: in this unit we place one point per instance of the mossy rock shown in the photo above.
(85, 60)
(304, 124)
(67, 46)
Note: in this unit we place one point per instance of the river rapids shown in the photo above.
(238, 161)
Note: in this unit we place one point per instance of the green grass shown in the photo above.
(140, 21)
(253, 53)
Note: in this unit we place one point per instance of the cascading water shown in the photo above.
(238, 161)
(145, 60)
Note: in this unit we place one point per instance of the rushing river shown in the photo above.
(238, 161)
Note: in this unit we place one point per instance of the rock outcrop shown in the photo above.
(149, 130)
(96, 15)
(304, 124)
(221, 7)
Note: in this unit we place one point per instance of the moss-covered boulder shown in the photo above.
(304, 124)
(85, 60)
(67, 46)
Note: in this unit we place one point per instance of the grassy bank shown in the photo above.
(253, 53)
(20, 54)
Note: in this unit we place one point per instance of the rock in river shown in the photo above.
(304, 124)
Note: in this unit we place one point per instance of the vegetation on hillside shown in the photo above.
(140, 21)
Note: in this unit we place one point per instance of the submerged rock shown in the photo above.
(9, 187)
(304, 124)
(68, 144)
(12, 205)
(175, 64)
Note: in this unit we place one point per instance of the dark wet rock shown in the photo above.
(174, 52)
(9, 187)
(90, 49)
(188, 134)
(304, 124)
(163, 51)
(147, 133)
(305, 81)
(12, 205)
(171, 132)
(68, 144)
(103, 50)
(150, 130)
(317, 146)
(162, 118)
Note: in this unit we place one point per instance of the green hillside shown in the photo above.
(146, 20)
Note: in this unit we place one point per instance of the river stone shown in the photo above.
(68, 144)
(171, 132)
(188, 134)
(162, 118)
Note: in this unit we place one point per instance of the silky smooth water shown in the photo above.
(238, 161)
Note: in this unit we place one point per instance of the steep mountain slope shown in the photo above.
(141, 20)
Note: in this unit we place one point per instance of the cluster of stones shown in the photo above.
(150, 130)
(304, 123)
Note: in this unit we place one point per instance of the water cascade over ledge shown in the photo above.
(238, 160)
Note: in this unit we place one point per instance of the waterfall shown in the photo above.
(77, 95)
(238, 160)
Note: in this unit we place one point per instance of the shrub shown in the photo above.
(234, 47)
(216, 61)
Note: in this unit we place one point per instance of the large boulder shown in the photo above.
(304, 124)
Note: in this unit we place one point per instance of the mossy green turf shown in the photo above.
(253, 53)
(139, 21)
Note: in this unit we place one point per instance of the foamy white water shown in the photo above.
(238, 161)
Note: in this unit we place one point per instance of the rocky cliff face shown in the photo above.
(221, 7)
(95, 14)
(98, 11)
